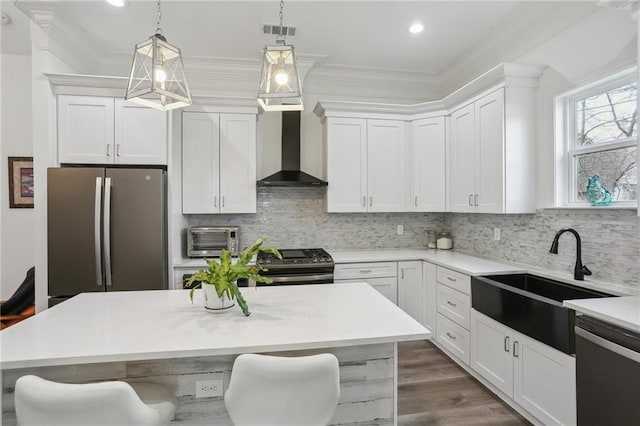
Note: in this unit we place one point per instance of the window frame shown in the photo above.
(565, 147)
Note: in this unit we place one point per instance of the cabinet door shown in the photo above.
(428, 155)
(140, 134)
(237, 163)
(544, 381)
(489, 112)
(490, 353)
(462, 160)
(200, 162)
(85, 130)
(410, 288)
(386, 166)
(346, 162)
(387, 286)
(429, 296)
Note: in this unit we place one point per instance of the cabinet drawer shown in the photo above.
(387, 286)
(453, 337)
(454, 305)
(349, 271)
(453, 279)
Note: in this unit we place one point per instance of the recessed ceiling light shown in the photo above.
(117, 3)
(416, 28)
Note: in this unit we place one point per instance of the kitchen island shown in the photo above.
(160, 336)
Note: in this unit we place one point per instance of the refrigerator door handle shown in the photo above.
(106, 214)
(96, 231)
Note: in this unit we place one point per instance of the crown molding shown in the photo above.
(506, 74)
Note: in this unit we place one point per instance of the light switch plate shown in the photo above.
(496, 234)
(400, 229)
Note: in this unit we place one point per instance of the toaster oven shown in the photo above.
(209, 241)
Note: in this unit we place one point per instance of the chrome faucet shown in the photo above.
(579, 270)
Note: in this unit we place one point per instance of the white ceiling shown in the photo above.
(361, 34)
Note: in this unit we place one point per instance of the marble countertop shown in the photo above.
(621, 311)
(138, 325)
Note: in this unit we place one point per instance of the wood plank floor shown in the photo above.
(433, 390)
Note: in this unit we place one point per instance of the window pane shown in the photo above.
(617, 169)
(606, 117)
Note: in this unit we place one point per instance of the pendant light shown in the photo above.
(157, 77)
(280, 88)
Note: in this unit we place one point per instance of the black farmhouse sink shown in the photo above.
(531, 305)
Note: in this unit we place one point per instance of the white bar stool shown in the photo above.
(43, 402)
(283, 391)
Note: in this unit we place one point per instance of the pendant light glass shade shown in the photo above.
(157, 77)
(280, 88)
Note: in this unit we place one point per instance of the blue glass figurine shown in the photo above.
(597, 193)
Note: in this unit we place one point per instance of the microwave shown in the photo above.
(209, 241)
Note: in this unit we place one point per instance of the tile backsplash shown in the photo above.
(294, 217)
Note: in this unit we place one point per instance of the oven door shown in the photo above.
(295, 278)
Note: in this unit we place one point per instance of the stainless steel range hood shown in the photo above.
(291, 175)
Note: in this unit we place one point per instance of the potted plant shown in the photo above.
(219, 279)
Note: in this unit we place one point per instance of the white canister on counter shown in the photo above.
(444, 241)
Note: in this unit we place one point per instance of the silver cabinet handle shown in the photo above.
(506, 343)
(96, 231)
(215, 201)
(470, 202)
(450, 303)
(117, 150)
(515, 349)
(452, 279)
(108, 150)
(106, 215)
(371, 201)
(365, 271)
(222, 201)
(476, 200)
(402, 273)
(451, 336)
(416, 201)
(364, 201)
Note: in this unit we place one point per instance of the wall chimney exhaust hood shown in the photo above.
(291, 175)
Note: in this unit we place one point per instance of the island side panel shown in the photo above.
(367, 383)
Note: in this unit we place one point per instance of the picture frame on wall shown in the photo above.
(21, 182)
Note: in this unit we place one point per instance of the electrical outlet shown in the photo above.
(400, 229)
(496, 234)
(208, 388)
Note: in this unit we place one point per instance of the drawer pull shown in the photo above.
(452, 279)
(365, 271)
(450, 303)
(515, 349)
(451, 336)
(506, 343)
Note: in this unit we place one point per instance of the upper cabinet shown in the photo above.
(366, 165)
(428, 160)
(218, 163)
(491, 153)
(105, 130)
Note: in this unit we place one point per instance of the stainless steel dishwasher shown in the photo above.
(607, 373)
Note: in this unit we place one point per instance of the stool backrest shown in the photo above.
(284, 391)
(42, 402)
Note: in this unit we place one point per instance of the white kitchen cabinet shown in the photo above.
(453, 302)
(538, 377)
(104, 130)
(429, 295)
(410, 289)
(366, 165)
(428, 159)
(490, 153)
(218, 163)
(380, 275)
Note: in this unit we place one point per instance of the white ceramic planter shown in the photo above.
(213, 303)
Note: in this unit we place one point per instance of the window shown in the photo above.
(600, 138)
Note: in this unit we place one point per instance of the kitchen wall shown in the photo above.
(17, 251)
(294, 218)
(610, 240)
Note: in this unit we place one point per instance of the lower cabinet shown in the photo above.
(429, 296)
(383, 276)
(452, 303)
(537, 377)
(410, 288)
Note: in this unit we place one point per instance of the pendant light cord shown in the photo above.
(158, 29)
(281, 35)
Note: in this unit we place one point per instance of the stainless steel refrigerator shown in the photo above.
(107, 230)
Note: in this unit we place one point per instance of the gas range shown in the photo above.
(298, 266)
